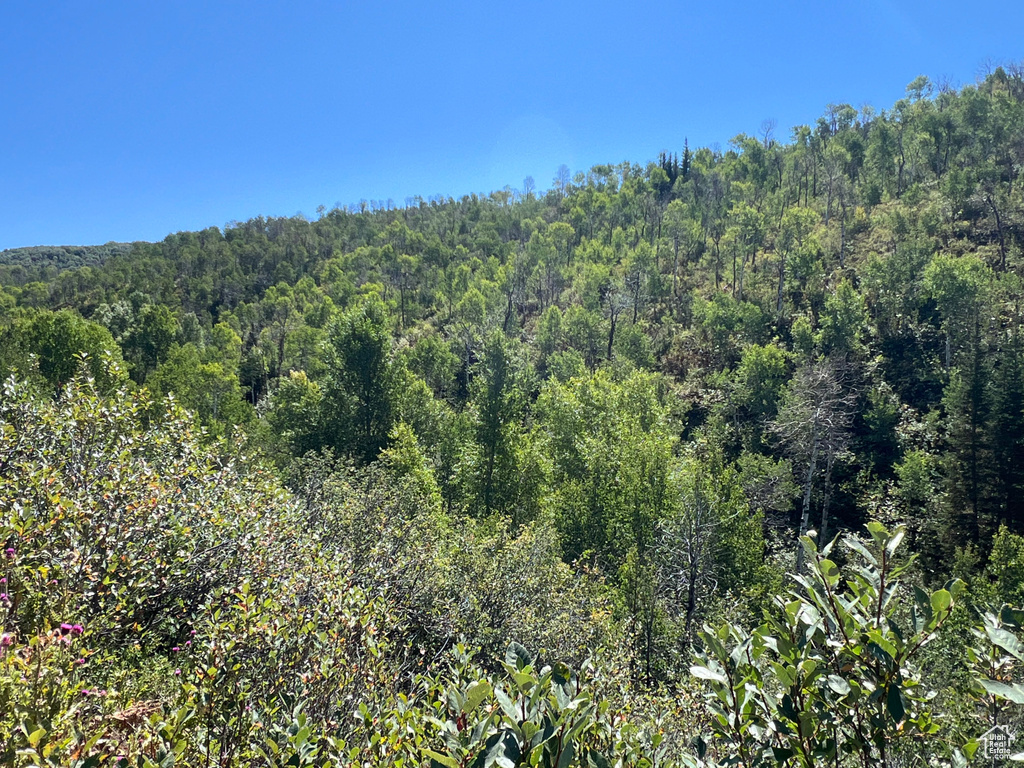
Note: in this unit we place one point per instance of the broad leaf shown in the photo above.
(894, 703)
(1012, 693)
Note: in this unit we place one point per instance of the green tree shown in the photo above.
(611, 450)
(794, 236)
(360, 387)
(504, 466)
(149, 339)
(206, 388)
(959, 287)
(844, 321)
(757, 386)
(58, 340)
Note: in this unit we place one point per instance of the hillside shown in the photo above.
(421, 463)
(45, 261)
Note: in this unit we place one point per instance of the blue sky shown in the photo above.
(127, 121)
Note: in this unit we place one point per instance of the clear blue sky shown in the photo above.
(130, 120)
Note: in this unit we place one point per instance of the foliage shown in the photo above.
(578, 419)
(830, 676)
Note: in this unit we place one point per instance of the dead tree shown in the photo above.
(813, 426)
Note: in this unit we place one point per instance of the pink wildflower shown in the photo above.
(10, 553)
(175, 649)
(77, 629)
(177, 672)
(5, 640)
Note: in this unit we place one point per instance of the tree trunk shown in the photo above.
(782, 278)
(805, 516)
(675, 269)
(508, 314)
(827, 496)
(999, 231)
(842, 239)
(691, 596)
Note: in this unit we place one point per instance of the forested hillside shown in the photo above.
(295, 486)
(43, 262)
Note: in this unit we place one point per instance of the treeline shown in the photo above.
(677, 367)
(44, 262)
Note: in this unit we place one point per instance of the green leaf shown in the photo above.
(568, 752)
(517, 655)
(878, 532)
(440, 759)
(785, 674)
(838, 684)
(1012, 693)
(941, 600)
(788, 709)
(782, 755)
(503, 750)
(1012, 617)
(830, 571)
(560, 673)
(706, 674)
(1006, 640)
(35, 737)
(894, 542)
(475, 695)
(506, 703)
(860, 549)
(542, 736)
(955, 587)
(924, 601)
(894, 703)
(523, 680)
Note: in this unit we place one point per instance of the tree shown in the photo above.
(1008, 432)
(297, 414)
(206, 388)
(432, 359)
(360, 388)
(959, 287)
(972, 495)
(843, 321)
(498, 398)
(814, 426)
(794, 235)
(757, 385)
(750, 231)
(549, 332)
(712, 542)
(562, 180)
(611, 451)
(149, 339)
(582, 331)
(59, 340)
